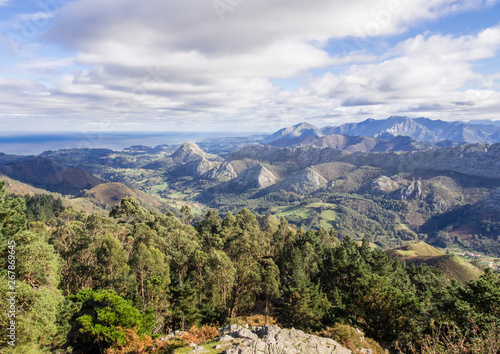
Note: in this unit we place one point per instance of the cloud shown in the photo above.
(418, 69)
(192, 63)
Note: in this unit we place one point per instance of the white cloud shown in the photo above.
(177, 61)
(420, 69)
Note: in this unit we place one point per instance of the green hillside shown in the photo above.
(452, 266)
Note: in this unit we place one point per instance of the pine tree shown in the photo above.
(184, 306)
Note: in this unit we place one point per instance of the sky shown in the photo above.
(244, 65)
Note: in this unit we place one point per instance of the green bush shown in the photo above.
(101, 320)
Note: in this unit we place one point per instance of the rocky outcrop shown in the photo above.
(383, 185)
(302, 182)
(200, 167)
(275, 340)
(256, 176)
(412, 191)
(491, 203)
(222, 173)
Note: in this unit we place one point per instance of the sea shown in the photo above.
(37, 143)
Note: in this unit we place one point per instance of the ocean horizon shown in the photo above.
(37, 143)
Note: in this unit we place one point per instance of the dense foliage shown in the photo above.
(88, 279)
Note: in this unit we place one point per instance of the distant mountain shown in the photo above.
(422, 129)
(5, 159)
(485, 121)
(189, 151)
(356, 143)
(395, 139)
(44, 173)
(474, 160)
(291, 135)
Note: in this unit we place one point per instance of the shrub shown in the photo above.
(136, 344)
(449, 339)
(200, 335)
(351, 338)
(102, 320)
(259, 320)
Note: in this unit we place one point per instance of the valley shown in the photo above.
(445, 196)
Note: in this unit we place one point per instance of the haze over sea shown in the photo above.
(36, 143)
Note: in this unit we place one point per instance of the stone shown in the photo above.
(225, 338)
(245, 333)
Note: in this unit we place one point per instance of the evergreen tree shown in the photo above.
(184, 306)
(304, 304)
(30, 274)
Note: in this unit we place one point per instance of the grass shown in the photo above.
(329, 215)
(159, 187)
(207, 347)
(420, 249)
(452, 266)
(293, 210)
(325, 211)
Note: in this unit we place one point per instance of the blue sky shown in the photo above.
(244, 65)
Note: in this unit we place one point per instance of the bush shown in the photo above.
(449, 339)
(136, 344)
(351, 338)
(102, 320)
(200, 335)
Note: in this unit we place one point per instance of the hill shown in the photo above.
(189, 151)
(45, 173)
(451, 266)
(80, 204)
(108, 195)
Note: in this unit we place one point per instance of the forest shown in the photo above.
(86, 283)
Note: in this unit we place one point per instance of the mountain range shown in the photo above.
(386, 134)
(391, 188)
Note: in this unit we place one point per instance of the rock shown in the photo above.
(383, 185)
(492, 202)
(256, 176)
(198, 168)
(225, 338)
(222, 173)
(302, 182)
(274, 340)
(229, 329)
(245, 333)
(197, 350)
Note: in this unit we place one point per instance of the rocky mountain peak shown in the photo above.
(300, 130)
(189, 151)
